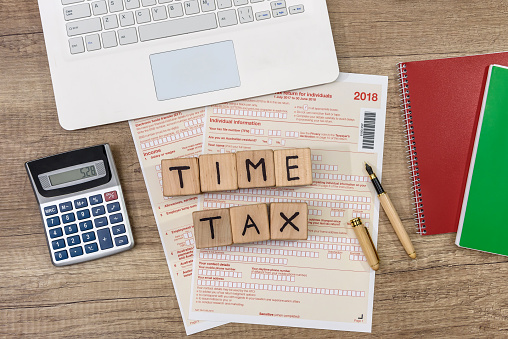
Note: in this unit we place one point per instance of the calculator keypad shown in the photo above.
(87, 227)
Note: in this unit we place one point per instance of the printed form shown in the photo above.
(172, 135)
(325, 281)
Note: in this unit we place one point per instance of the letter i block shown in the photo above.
(180, 176)
(293, 167)
(250, 223)
(212, 228)
(255, 169)
(288, 221)
(218, 172)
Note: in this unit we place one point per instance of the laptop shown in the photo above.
(115, 60)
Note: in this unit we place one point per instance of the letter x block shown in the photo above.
(218, 172)
(212, 228)
(293, 167)
(250, 223)
(180, 176)
(255, 169)
(288, 221)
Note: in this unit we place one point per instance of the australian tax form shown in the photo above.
(172, 136)
(323, 282)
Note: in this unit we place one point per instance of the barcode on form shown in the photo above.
(368, 130)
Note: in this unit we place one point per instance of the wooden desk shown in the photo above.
(446, 292)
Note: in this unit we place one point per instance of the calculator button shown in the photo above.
(90, 236)
(57, 244)
(55, 233)
(109, 196)
(113, 207)
(73, 240)
(118, 229)
(115, 218)
(99, 210)
(62, 255)
(80, 203)
(104, 237)
(66, 206)
(50, 210)
(55, 221)
(70, 229)
(99, 222)
(76, 251)
(120, 241)
(67, 218)
(95, 199)
(83, 214)
(91, 248)
(85, 225)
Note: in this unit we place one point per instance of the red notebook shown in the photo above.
(442, 100)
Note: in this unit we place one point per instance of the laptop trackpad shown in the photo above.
(195, 70)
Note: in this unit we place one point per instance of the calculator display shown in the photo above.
(73, 175)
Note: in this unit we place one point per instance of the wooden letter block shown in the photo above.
(180, 176)
(293, 167)
(250, 223)
(255, 169)
(218, 172)
(212, 228)
(288, 221)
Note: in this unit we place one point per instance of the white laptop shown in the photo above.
(114, 60)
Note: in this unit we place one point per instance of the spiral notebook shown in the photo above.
(441, 101)
(486, 183)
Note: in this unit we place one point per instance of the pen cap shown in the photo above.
(364, 238)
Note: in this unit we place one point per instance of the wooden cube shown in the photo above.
(180, 176)
(212, 228)
(218, 172)
(250, 223)
(255, 169)
(288, 221)
(293, 167)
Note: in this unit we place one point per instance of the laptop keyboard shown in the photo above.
(94, 25)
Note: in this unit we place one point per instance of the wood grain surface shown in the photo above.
(447, 292)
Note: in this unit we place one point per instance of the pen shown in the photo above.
(392, 214)
(362, 233)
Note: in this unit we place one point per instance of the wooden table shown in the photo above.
(447, 292)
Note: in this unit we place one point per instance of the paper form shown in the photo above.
(325, 281)
(172, 136)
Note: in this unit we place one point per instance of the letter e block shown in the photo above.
(293, 167)
(255, 169)
(218, 172)
(250, 223)
(180, 176)
(288, 221)
(212, 228)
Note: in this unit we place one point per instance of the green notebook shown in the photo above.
(483, 222)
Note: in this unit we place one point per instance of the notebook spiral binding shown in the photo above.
(412, 158)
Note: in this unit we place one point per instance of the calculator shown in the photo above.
(81, 205)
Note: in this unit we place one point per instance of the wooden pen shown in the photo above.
(362, 233)
(392, 214)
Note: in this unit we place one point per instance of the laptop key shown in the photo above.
(127, 36)
(115, 5)
(224, 4)
(84, 26)
(208, 5)
(227, 18)
(245, 14)
(175, 10)
(77, 12)
(76, 45)
(170, 28)
(110, 21)
(70, 2)
(131, 4)
(109, 39)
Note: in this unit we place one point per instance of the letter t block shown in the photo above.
(212, 228)
(288, 221)
(180, 176)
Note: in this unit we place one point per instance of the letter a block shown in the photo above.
(293, 167)
(250, 223)
(180, 176)
(255, 169)
(218, 172)
(288, 221)
(212, 228)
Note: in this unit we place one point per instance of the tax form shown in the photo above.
(322, 282)
(172, 136)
